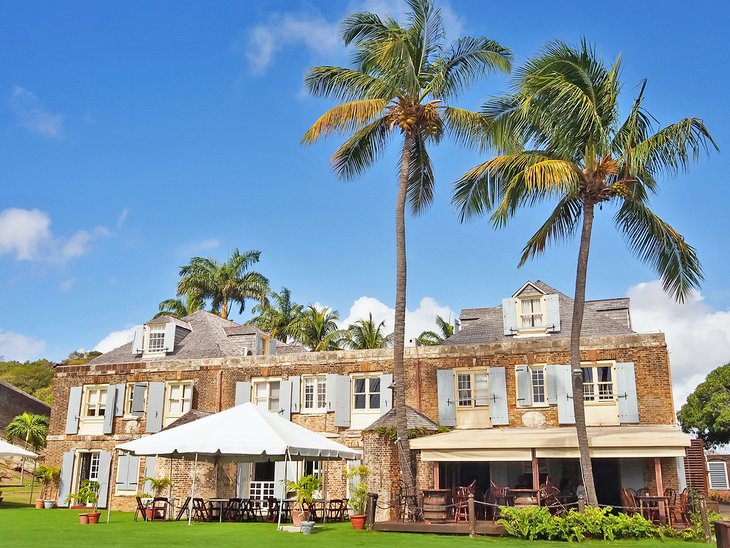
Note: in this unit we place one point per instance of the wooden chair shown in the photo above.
(628, 501)
(313, 513)
(498, 496)
(141, 510)
(460, 504)
(233, 510)
(159, 509)
(272, 510)
(335, 509)
(679, 510)
(184, 509)
(643, 492)
(200, 510)
(549, 496)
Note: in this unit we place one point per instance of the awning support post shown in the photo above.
(283, 496)
(658, 476)
(535, 471)
(192, 493)
(110, 490)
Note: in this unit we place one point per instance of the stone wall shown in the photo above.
(14, 401)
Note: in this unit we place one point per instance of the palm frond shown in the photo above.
(476, 192)
(345, 84)
(348, 116)
(468, 128)
(361, 150)
(364, 26)
(421, 182)
(560, 225)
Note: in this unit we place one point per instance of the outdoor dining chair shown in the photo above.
(184, 509)
(233, 510)
(200, 510)
(141, 510)
(272, 510)
(159, 509)
(498, 496)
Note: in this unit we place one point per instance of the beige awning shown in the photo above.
(516, 444)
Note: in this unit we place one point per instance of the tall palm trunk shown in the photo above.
(577, 372)
(400, 321)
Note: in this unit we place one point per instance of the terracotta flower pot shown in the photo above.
(150, 513)
(39, 503)
(94, 517)
(84, 519)
(358, 521)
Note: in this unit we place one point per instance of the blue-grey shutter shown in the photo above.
(169, 341)
(524, 386)
(445, 388)
(138, 340)
(155, 406)
(341, 385)
(138, 393)
(150, 470)
(243, 392)
(285, 399)
(258, 345)
(64, 481)
(111, 404)
(386, 393)
(564, 394)
(74, 409)
(509, 316)
(552, 321)
(272, 347)
(123, 471)
(242, 480)
(105, 459)
(498, 396)
(628, 405)
(296, 393)
(331, 391)
(133, 473)
(552, 396)
(119, 405)
(283, 471)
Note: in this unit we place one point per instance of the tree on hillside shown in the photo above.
(177, 308)
(32, 429)
(366, 334)
(34, 378)
(562, 139)
(707, 410)
(224, 284)
(402, 83)
(432, 338)
(80, 357)
(318, 329)
(280, 317)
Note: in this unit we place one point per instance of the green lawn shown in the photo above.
(23, 526)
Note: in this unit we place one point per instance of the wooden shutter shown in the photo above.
(283, 472)
(446, 396)
(138, 340)
(386, 393)
(695, 466)
(498, 396)
(342, 400)
(64, 482)
(550, 386)
(243, 392)
(552, 320)
(119, 405)
(524, 386)
(628, 405)
(564, 394)
(105, 459)
(296, 393)
(169, 341)
(138, 393)
(285, 399)
(150, 469)
(509, 316)
(127, 472)
(717, 474)
(155, 406)
(242, 480)
(272, 347)
(74, 409)
(109, 409)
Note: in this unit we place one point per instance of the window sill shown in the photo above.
(125, 493)
(313, 412)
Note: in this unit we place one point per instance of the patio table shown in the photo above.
(658, 505)
(216, 504)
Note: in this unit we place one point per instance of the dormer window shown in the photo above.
(156, 341)
(156, 338)
(531, 313)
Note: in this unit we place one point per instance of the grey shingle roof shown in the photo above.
(602, 317)
(414, 419)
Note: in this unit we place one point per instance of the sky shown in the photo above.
(136, 135)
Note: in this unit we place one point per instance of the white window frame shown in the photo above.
(76, 476)
(533, 369)
(186, 400)
(101, 410)
(159, 338)
(531, 314)
(472, 388)
(128, 395)
(318, 384)
(718, 463)
(256, 382)
(596, 397)
(368, 393)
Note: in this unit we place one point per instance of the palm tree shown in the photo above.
(32, 429)
(366, 334)
(281, 317)
(431, 338)
(177, 308)
(401, 83)
(224, 283)
(561, 138)
(318, 329)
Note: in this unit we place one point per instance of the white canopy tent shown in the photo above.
(244, 433)
(10, 450)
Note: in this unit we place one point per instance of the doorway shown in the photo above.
(607, 479)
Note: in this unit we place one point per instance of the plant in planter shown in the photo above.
(358, 476)
(88, 495)
(157, 486)
(48, 476)
(303, 490)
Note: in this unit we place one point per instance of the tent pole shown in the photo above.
(283, 492)
(32, 482)
(192, 493)
(109, 491)
(326, 491)
(169, 490)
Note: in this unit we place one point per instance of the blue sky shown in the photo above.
(136, 135)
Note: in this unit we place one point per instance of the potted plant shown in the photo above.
(88, 495)
(358, 476)
(48, 476)
(157, 486)
(304, 490)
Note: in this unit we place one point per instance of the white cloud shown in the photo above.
(122, 218)
(26, 233)
(115, 339)
(67, 285)
(14, 346)
(31, 114)
(419, 320)
(192, 248)
(698, 337)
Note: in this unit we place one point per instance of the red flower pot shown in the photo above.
(358, 521)
(94, 517)
(84, 519)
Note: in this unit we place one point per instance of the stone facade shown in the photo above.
(14, 401)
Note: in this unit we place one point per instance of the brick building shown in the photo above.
(13, 402)
(500, 385)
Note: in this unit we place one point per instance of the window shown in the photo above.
(717, 472)
(531, 314)
(135, 405)
(156, 342)
(539, 391)
(87, 468)
(314, 392)
(94, 401)
(266, 395)
(598, 383)
(366, 393)
(472, 389)
(179, 400)
(127, 481)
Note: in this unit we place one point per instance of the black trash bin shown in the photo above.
(722, 533)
